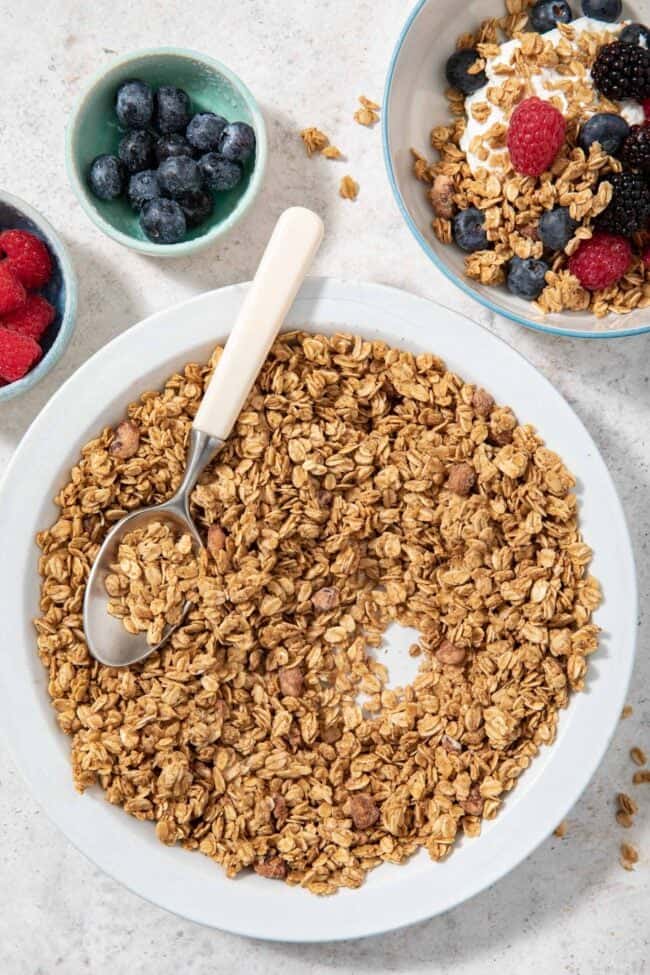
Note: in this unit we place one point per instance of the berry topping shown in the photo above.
(12, 292)
(546, 14)
(556, 228)
(237, 142)
(27, 256)
(635, 34)
(178, 175)
(645, 257)
(219, 173)
(32, 319)
(622, 71)
(136, 151)
(106, 177)
(629, 209)
(527, 277)
(143, 187)
(469, 230)
(636, 148)
(170, 145)
(197, 205)
(163, 221)
(606, 128)
(172, 110)
(607, 10)
(134, 104)
(18, 353)
(458, 71)
(601, 261)
(535, 136)
(205, 131)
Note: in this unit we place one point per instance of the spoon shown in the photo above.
(283, 268)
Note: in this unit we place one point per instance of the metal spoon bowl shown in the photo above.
(283, 268)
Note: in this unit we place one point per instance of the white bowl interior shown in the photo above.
(414, 104)
(190, 884)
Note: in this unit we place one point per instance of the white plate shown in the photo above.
(190, 884)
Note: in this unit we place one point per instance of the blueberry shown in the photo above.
(163, 221)
(106, 177)
(142, 188)
(136, 151)
(170, 145)
(608, 10)
(546, 14)
(219, 173)
(556, 228)
(197, 205)
(527, 278)
(469, 230)
(237, 142)
(178, 175)
(608, 129)
(457, 72)
(134, 104)
(635, 34)
(205, 130)
(172, 110)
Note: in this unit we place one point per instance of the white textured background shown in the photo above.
(569, 908)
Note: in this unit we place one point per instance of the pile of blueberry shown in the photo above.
(170, 161)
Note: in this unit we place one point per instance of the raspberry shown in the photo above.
(28, 257)
(32, 319)
(601, 261)
(12, 293)
(535, 136)
(18, 353)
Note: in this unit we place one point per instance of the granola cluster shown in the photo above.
(513, 203)
(362, 485)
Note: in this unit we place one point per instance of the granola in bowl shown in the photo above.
(362, 486)
(541, 174)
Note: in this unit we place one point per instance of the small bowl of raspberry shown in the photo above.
(517, 145)
(38, 297)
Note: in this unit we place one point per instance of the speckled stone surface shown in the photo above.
(569, 908)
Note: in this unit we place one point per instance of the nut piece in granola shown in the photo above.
(462, 478)
(325, 599)
(216, 540)
(126, 440)
(364, 811)
(291, 681)
(274, 868)
(448, 653)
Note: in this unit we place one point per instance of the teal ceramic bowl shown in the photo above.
(61, 290)
(93, 130)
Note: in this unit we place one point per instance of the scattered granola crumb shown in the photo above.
(627, 712)
(561, 830)
(349, 188)
(638, 756)
(331, 152)
(367, 114)
(626, 810)
(641, 777)
(314, 140)
(629, 856)
(126, 441)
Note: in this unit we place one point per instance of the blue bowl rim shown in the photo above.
(422, 241)
(185, 247)
(68, 319)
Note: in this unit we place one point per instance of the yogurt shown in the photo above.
(631, 111)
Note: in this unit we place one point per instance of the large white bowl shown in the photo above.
(414, 102)
(190, 884)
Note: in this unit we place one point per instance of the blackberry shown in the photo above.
(622, 71)
(629, 209)
(636, 149)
